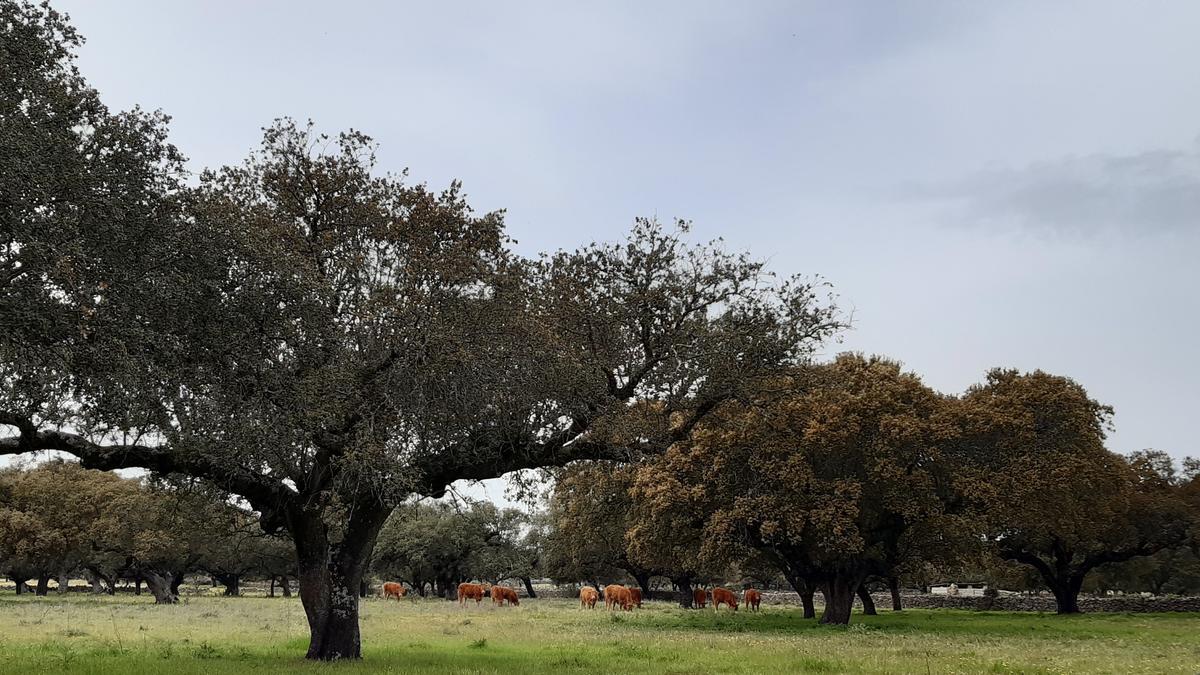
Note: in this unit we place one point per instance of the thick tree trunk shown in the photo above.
(684, 586)
(868, 602)
(43, 585)
(529, 586)
(233, 584)
(1066, 594)
(894, 587)
(643, 582)
(331, 577)
(159, 584)
(176, 581)
(64, 583)
(839, 591)
(287, 586)
(20, 585)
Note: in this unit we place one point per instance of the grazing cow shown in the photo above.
(502, 593)
(699, 597)
(617, 596)
(588, 597)
(467, 591)
(753, 599)
(635, 596)
(392, 589)
(726, 596)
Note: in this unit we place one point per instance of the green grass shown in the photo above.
(88, 634)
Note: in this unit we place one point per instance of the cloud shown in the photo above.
(1147, 193)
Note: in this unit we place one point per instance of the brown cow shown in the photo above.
(588, 597)
(635, 596)
(726, 596)
(392, 589)
(468, 591)
(617, 596)
(753, 598)
(502, 593)
(699, 597)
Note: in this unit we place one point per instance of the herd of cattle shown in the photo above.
(615, 596)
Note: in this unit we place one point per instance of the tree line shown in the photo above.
(328, 343)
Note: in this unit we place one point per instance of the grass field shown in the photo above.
(89, 634)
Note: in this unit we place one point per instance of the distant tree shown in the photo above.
(833, 473)
(1056, 499)
(591, 514)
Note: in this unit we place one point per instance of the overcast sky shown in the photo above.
(985, 184)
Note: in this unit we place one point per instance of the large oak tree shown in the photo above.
(325, 341)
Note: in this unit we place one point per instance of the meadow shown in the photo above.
(126, 634)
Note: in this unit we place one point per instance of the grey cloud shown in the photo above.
(1150, 192)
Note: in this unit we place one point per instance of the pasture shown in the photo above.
(212, 635)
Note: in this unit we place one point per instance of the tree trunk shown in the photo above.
(839, 590)
(1066, 594)
(364, 588)
(137, 586)
(20, 585)
(643, 582)
(806, 599)
(64, 583)
(159, 584)
(331, 577)
(287, 586)
(894, 587)
(529, 586)
(233, 584)
(684, 584)
(868, 602)
(176, 581)
(43, 584)
(805, 590)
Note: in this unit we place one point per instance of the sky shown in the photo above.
(1009, 184)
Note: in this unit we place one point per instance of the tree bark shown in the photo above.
(839, 590)
(64, 583)
(159, 585)
(529, 586)
(331, 576)
(894, 587)
(1066, 594)
(176, 581)
(43, 585)
(684, 584)
(271, 593)
(868, 602)
(20, 585)
(137, 586)
(232, 584)
(287, 586)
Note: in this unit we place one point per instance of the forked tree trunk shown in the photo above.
(330, 578)
(529, 586)
(159, 584)
(839, 590)
(894, 587)
(868, 602)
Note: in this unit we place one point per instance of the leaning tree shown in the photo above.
(324, 341)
